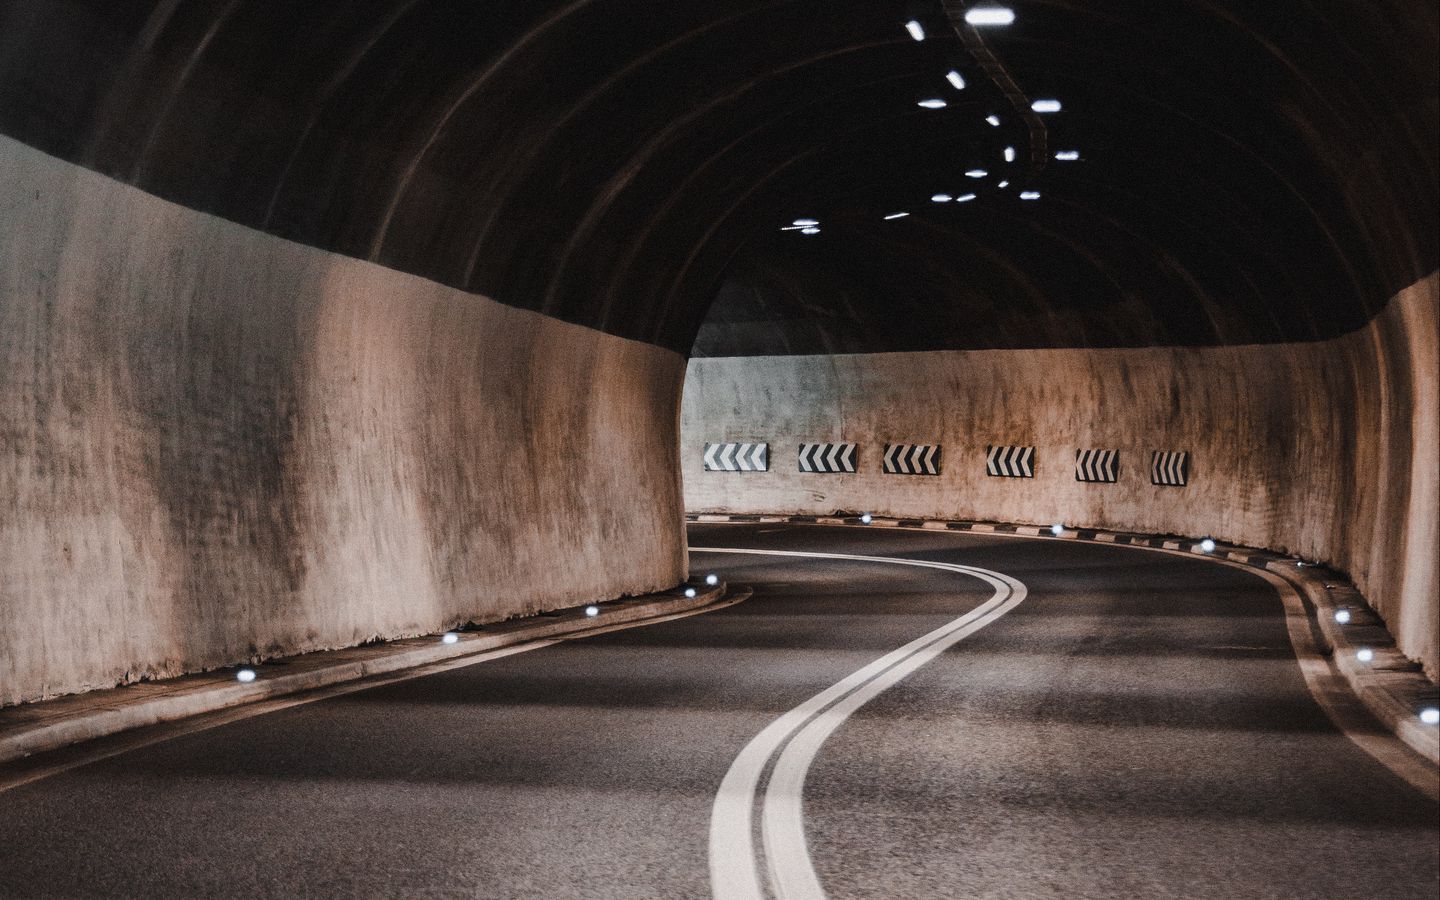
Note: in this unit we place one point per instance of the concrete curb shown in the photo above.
(1392, 687)
(50, 725)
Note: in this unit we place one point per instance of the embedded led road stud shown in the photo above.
(1365, 654)
(1057, 529)
(1342, 616)
(1207, 545)
(689, 592)
(1430, 716)
(983, 16)
(450, 637)
(866, 519)
(592, 610)
(245, 676)
(712, 579)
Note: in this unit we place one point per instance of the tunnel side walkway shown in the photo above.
(48, 725)
(1392, 687)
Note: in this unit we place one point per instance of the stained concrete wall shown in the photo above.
(216, 445)
(1329, 450)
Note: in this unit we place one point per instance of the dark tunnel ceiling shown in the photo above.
(1252, 171)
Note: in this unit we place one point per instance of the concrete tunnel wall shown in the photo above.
(219, 445)
(1329, 450)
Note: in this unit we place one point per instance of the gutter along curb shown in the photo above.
(50, 725)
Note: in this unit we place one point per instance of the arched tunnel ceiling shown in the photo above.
(1249, 172)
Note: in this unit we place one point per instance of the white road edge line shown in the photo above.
(734, 868)
(1326, 685)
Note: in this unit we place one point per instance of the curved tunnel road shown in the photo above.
(1137, 727)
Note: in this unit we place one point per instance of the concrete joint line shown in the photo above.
(789, 745)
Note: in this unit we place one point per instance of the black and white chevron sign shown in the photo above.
(911, 459)
(1170, 467)
(737, 457)
(1097, 465)
(1010, 462)
(827, 457)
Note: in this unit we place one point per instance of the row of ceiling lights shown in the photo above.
(980, 17)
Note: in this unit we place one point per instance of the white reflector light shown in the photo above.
(1003, 184)
(245, 676)
(899, 215)
(810, 229)
(917, 31)
(1430, 716)
(981, 16)
(592, 610)
(712, 579)
(1342, 616)
(941, 198)
(1365, 654)
(1029, 195)
(932, 103)
(976, 173)
(866, 519)
(1057, 529)
(1046, 106)
(964, 198)
(450, 637)
(1207, 545)
(805, 223)
(993, 120)
(956, 79)
(1009, 154)
(1068, 155)
(689, 592)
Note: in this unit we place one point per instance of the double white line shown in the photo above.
(797, 737)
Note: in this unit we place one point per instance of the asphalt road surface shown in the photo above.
(1129, 724)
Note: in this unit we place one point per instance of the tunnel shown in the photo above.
(327, 327)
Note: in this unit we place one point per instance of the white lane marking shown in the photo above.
(1331, 692)
(734, 869)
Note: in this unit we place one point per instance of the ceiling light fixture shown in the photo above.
(1009, 154)
(941, 198)
(1046, 106)
(810, 229)
(932, 103)
(956, 79)
(899, 215)
(1029, 195)
(917, 31)
(981, 16)
(1068, 155)
(976, 173)
(993, 120)
(964, 198)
